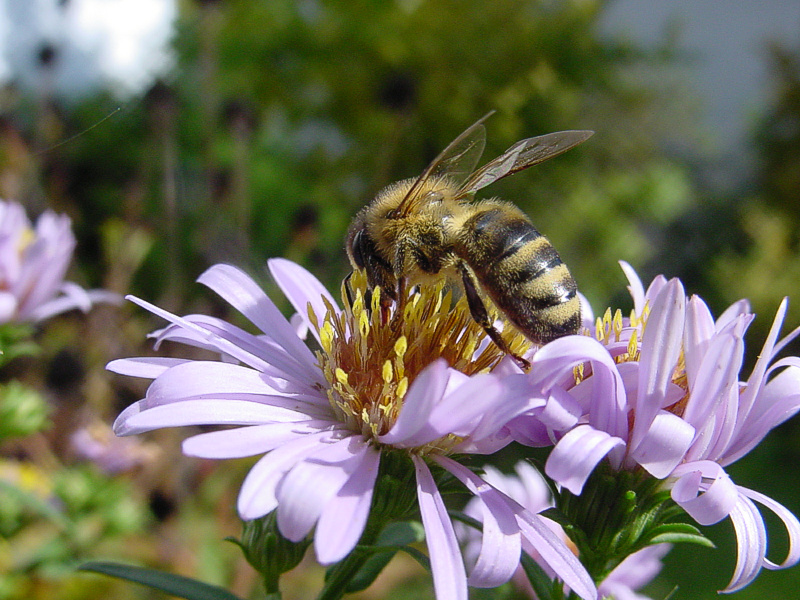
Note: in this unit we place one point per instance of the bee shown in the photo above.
(420, 230)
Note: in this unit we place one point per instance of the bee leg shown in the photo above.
(481, 316)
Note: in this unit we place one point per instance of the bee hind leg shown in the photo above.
(481, 316)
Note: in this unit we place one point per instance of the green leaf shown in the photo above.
(401, 534)
(393, 539)
(177, 585)
(677, 533)
(541, 583)
(34, 503)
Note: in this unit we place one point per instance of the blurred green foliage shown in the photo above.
(278, 121)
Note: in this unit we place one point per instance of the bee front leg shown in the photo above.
(481, 316)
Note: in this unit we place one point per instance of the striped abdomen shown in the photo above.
(520, 271)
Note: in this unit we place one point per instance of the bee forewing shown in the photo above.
(457, 161)
(522, 155)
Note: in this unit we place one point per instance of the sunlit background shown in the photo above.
(177, 134)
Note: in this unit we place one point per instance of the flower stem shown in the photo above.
(341, 574)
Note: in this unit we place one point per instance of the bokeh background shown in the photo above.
(181, 133)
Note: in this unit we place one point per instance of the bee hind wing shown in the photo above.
(523, 154)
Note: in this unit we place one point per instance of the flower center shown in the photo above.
(370, 358)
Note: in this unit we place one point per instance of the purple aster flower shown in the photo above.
(415, 386)
(661, 390)
(529, 489)
(33, 264)
(96, 442)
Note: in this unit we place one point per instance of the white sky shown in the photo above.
(122, 41)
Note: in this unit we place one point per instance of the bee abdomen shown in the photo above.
(521, 272)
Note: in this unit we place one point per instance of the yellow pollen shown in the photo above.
(402, 388)
(400, 346)
(387, 371)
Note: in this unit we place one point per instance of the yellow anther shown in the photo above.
(326, 337)
(363, 324)
(400, 346)
(387, 371)
(633, 346)
(341, 376)
(402, 387)
(618, 322)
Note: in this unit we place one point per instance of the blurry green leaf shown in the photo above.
(177, 585)
(541, 583)
(32, 502)
(394, 538)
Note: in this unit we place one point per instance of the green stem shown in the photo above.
(341, 574)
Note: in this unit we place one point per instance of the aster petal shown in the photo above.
(789, 521)
(423, 395)
(556, 360)
(345, 515)
(705, 503)
(778, 401)
(74, 297)
(200, 378)
(301, 288)
(501, 544)
(664, 445)
(265, 354)
(257, 495)
(732, 313)
(248, 441)
(554, 552)
(755, 381)
(459, 412)
(139, 418)
(306, 488)
(447, 566)
(204, 379)
(751, 543)
(635, 288)
(145, 367)
(576, 455)
(697, 334)
(719, 370)
(241, 292)
(660, 350)
(210, 338)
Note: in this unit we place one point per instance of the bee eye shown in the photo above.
(356, 248)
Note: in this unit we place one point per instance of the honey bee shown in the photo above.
(423, 229)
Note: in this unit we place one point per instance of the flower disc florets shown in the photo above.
(369, 357)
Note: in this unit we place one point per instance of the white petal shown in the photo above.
(302, 289)
(447, 566)
(422, 396)
(660, 350)
(501, 544)
(257, 495)
(344, 516)
(707, 503)
(751, 544)
(248, 441)
(208, 411)
(575, 456)
(244, 294)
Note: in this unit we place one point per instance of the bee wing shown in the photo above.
(522, 155)
(457, 161)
